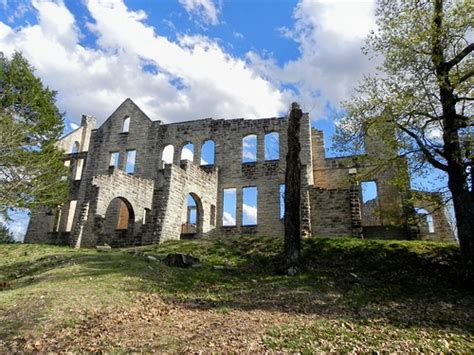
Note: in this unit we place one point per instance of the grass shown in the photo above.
(353, 295)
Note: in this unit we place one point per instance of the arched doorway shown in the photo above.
(119, 223)
(192, 217)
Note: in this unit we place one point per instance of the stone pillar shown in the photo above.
(260, 146)
(305, 212)
(356, 218)
(197, 153)
(177, 155)
(76, 237)
(238, 209)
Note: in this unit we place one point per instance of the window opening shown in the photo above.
(272, 146)
(230, 207)
(130, 163)
(187, 152)
(126, 125)
(425, 220)
(190, 217)
(78, 166)
(249, 149)
(70, 215)
(370, 204)
(167, 155)
(249, 206)
(207, 153)
(114, 159)
(75, 147)
(282, 201)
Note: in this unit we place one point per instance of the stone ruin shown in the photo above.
(134, 181)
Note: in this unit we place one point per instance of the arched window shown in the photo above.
(119, 215)
(425, 220)
(126, 124)
(187, 152)
(192, 219)
(249, 148)
(272, 146)
(167, 155)
(75, 147)
(207, 153)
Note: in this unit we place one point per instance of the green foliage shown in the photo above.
(405, 90)
(423, 88)
(5, 235)
(31, 166)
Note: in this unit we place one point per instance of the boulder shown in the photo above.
(181, 260)
(103, 248)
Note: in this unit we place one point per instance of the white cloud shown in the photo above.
(206, 10)
(228, 219)
(187, 154)
(330, 35)
(249, 147)
(250, 213)
(73, 126)
(168, 154)
(99, 79)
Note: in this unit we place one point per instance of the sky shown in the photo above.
(191, 59)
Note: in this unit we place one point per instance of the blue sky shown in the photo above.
(190, 59)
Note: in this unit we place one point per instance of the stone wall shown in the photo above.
(331, 215)
(330, 196)
(176, 183)
(136, 192)
(432, 203)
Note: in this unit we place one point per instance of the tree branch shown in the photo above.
(460, 56)
(429, 157)
(466, 76)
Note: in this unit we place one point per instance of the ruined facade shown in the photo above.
(132, 184)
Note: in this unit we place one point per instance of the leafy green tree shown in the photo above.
(424, 89)
(5, 235)
(31, 165)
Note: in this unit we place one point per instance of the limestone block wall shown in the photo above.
(266, 176)
(333, 173)
(431, 202)
(41, 225)
(139, 137)
(135, 191)
(176, 183)
(81, 136)
(331, 201)
(331, 212)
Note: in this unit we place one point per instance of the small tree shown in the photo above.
(5, 235)
(31, 165)
(424, 88)
(292, 252)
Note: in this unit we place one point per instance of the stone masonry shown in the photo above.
(123, 193)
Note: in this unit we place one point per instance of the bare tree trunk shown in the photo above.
(292, 251)
(463, 200)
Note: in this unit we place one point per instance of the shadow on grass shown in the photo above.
(405, 284)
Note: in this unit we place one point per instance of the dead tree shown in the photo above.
(292, 252)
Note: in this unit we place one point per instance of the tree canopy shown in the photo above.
(424, 89)
(31, 166)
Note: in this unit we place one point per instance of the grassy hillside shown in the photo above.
(353, 295)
